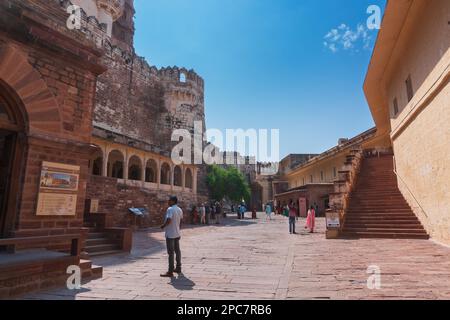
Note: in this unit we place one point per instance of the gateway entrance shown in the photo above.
(9, 165)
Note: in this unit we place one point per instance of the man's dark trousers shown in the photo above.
(173, 248)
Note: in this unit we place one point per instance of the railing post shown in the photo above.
(74, 249)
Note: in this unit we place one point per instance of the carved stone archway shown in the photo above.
(42, 110)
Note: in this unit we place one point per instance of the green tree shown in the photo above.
(227, 183)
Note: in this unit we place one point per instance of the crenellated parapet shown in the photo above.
(106, 12)
(181, 77)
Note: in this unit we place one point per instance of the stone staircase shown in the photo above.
(100, 243)
(377, 209)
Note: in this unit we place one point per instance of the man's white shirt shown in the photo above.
(175, 214)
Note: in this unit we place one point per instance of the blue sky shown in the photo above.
(293, 65)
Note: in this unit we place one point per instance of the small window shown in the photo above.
(395, 106)
(182, 77)
(312, 179)
(334, 172)
(321, 175)
(409, 88)
(304, 181)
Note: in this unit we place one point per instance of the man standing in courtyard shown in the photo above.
(292, 217)
(171, 226)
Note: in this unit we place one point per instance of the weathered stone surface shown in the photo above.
(261, 260)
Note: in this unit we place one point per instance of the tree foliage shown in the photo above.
(227, 183)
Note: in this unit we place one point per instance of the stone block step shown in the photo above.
(99, 241)
(383, 230)
(382, 211)
(348, 225)
(95, 235)
(101, 248)
(389, 219)
(358, 235)
(104, 253)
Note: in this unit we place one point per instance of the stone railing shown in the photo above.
(339, 200)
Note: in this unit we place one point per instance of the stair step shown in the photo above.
(381, 221)
(385, 235)
(104, 253)
(387, 211)
(99, 241)
(378, 226)
(102, 247)
(95, 235)
(378, 215)
(382, 230)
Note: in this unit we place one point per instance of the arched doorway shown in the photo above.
(115, 164)
(188, 181)
(11, 150)
(165, 174)
(134, 168)
(178, 177)
(151, 171)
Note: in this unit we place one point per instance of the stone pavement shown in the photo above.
(261, 260)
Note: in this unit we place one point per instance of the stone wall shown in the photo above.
(424, 169)
(420, 131)
(53, 85)
(140, 105)
(116, 197)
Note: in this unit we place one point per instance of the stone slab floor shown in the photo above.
(261, 260)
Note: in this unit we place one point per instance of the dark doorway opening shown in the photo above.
(11, 150)
(7, 147)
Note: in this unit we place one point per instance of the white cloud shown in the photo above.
(345, 38)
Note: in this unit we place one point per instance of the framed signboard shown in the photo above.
(58, 189)
(333, 220)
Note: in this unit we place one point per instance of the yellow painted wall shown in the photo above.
(302, 176)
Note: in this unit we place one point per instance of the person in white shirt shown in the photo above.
(171, 226)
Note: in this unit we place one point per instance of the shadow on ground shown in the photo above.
(182, 283)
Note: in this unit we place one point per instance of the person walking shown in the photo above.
(242, 211)
(171, 227)
(292, 218)
(218, 212)
(213, 213)
(202, 214)
(208, 213)
(268, 212)
(311, 220)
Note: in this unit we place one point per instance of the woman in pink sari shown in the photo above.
(311, 220)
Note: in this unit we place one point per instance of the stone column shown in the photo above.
(125, 166)
(194, 181)
(105, 172)
(144, 166)
(158, 173)
(172, 171)
(183, 177)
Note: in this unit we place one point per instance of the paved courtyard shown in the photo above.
(261, 260)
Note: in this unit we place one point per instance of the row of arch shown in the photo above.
(153, 172)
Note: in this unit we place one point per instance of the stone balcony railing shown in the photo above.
(339, 200)
(112, 7)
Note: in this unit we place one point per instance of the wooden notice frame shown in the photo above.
(58, 189)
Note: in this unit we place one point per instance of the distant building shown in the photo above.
(312, 177)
